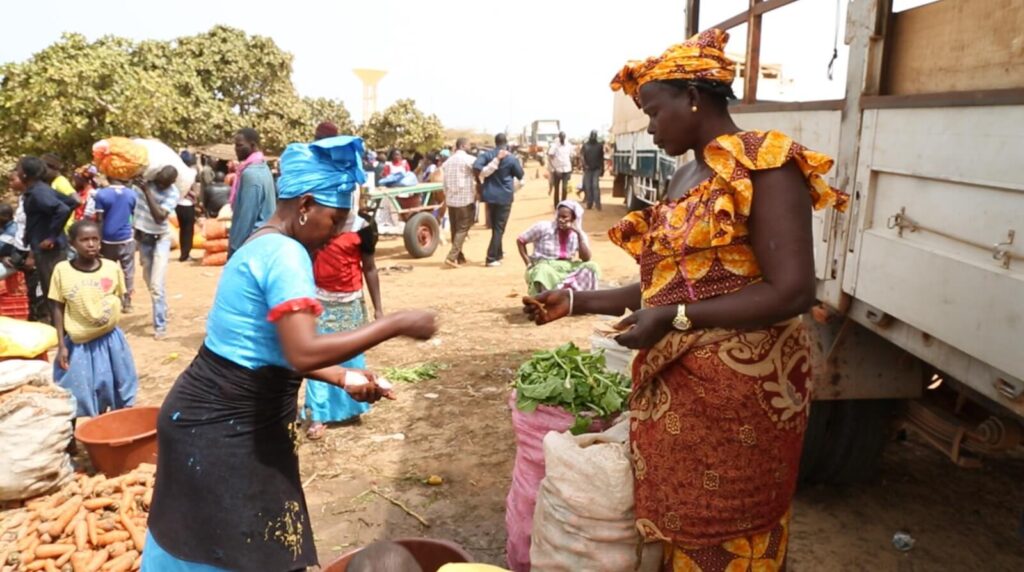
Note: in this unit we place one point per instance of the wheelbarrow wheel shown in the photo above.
(422, 235)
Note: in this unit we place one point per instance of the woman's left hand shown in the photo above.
(645, 327)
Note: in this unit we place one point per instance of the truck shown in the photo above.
(920, 283)
(542, 133)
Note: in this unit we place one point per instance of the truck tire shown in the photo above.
(422, 234)
(633, 203)
(844, 440)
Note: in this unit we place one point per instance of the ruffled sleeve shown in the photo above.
(629, 233)
(734, 157)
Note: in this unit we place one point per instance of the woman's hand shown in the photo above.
(417, 324)
(547, 306)
(645, 327)
(362, 386)
(63, 356)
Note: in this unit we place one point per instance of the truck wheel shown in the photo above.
(422, 234)
(633, 203)
(845, 439)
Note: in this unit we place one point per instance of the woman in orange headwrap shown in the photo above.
(720, 384)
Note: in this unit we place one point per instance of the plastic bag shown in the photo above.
(527, 473)
(160, 156)
(120, 157)
(584, 518)
(35, 429)
(21, 339)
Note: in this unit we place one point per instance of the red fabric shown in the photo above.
(392, 167)
(339, 265)
(292, 306)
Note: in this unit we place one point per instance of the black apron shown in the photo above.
(228, 492)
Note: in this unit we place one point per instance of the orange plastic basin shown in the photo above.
(431, 554)
(120, 440)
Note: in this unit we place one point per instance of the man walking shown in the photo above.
(253, 198)
(156, 202)
(593, 168)
(498, 168)
(115, 205)
(560, 157)
(460, 196)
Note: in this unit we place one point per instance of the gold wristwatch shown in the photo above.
(681, 322)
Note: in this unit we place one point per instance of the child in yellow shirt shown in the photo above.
(93, 361)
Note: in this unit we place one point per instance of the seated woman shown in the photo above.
(555, 244)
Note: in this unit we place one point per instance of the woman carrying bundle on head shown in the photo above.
(553, 264)
(721, 381)
(228, 494)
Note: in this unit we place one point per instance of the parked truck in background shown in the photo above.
(920, 323)
(542, 132)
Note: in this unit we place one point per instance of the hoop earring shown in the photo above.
(694, 109)
(302, 219)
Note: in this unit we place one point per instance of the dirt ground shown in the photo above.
(458, 426)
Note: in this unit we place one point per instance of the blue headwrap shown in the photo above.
(329, 169)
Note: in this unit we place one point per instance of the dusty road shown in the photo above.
(458, 427)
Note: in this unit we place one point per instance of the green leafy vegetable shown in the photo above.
(413, 374)
(574, 380)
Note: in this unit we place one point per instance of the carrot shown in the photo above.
(105, 524)
(45, 538)
(53, 550)
(98, 559)
(122, 563)
(98, 503)
(40, 565)
(147, 498)
(64, 559)
(25, 541)
(116, 549)
(79, 517)
(90, 523)
(82, 534)
(137, 536)
(126, 503)
(80, 561)
(69, 510)
(112, 537)
(137, 565)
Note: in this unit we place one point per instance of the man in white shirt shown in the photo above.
(460, 196)
(560, 157)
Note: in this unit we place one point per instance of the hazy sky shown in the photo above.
(482, 65)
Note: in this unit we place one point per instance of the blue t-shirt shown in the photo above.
(117, 204)
(268, 271)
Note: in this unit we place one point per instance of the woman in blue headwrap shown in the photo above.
(228, 494)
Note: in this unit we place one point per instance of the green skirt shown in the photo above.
(551, 274)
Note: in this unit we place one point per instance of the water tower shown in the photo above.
(370, 79)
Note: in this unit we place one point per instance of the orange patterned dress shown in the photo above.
(718, 416)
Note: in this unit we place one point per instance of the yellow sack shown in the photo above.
(21, 339)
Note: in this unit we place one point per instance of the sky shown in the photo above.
(488, 66)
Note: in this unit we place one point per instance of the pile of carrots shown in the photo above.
(94, 524)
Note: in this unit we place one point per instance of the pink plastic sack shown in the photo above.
(527, 473)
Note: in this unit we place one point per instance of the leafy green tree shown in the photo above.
(333, 110)
(404, 127)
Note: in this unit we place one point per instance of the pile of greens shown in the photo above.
(413, 374)
(574, 380)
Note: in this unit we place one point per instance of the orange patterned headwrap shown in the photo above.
(700, 57)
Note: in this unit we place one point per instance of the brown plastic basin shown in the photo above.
(120, 440)
(431, 554)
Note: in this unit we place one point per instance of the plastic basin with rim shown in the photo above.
(430, 554)
(119, 441)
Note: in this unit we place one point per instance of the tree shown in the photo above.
(404, 127)
(333, 110)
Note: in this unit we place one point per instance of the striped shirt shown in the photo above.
(548, 243)
(459, 180)
(167, 199)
